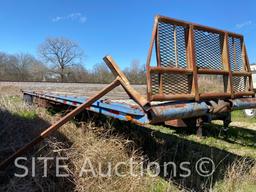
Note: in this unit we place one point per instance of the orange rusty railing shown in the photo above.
(185, 51)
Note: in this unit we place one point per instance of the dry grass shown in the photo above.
(105, 148)
(240, 177)
(76, 143)
(19, 123)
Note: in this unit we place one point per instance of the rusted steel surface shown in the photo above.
(176, 123)
(177, 110)
(183, 110)
(219, 107)
(184, 50)
(143, 102)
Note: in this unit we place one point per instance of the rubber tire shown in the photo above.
(250, 113)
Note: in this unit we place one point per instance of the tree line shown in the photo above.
(61, 60)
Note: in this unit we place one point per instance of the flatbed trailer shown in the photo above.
(128, 110)
(186, 53)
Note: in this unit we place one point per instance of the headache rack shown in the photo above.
(187, 51)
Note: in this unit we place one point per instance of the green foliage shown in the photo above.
(27, 114)
(239, 116)
(160, 186)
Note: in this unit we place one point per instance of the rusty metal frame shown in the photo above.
(192, 68)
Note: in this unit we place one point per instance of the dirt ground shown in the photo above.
(83, 89)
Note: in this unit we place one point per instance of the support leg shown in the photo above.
(199, 126)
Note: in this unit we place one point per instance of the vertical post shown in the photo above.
(188, 59)
(149, 83)
(192, 62)
(227, 65)
(246, 64)
(244, 59)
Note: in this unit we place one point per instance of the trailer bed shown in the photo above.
(122, 109)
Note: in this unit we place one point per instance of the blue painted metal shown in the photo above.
(243, 103)
(102, 104)
(160, 112)
(178, 110)
(121, 111)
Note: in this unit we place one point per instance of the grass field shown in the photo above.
(106, 140)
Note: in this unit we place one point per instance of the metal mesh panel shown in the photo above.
(171, 54)
(235, 54)
(155, 83)
(176, 84)
(181, 46)
(176, 48)
(240, 84)
(208, 48)
(172, 83)
(239, 60)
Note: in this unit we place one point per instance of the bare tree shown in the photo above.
(3, 65)
(61, 53)
(101, 73)
(136, 73)
(21, 64)
(78, 74)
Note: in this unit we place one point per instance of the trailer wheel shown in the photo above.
(250, 113)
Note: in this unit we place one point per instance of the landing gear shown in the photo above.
(226, 122)
(226, 118)
(199, 126)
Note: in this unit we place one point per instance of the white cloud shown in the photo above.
(244, 24)
(83, 19)
(72, 17)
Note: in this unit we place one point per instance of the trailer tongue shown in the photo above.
(186, 55)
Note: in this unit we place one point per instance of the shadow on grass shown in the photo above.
(15, 132)
(234, 135)
(156, 145)
(163, 147)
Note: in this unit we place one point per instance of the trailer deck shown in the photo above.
(125, 110)
(128, 110)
